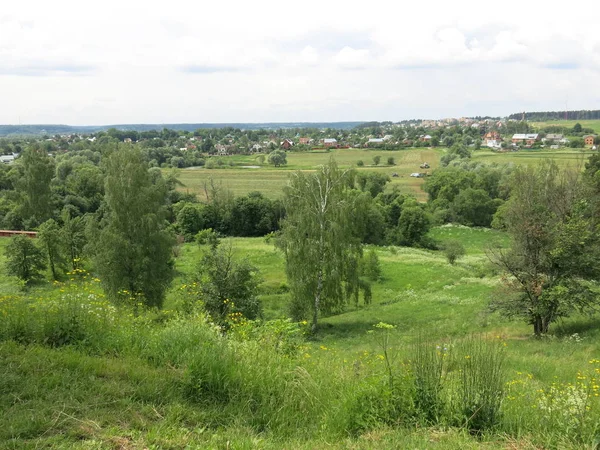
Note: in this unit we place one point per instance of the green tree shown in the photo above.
(577, 128)
(453, 250)
(278, 158)
(554, 258)
(132, 250)
(24, 259)
(391, 161)
(34, 186)
(228, 285)
(413, 225)
(376, 160)
(50, 238)
(320, 242)
(73, 236)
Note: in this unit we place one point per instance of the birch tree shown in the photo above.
(320, 242)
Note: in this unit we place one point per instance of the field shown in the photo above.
(127, 385)
(593, 124)
(271, 180)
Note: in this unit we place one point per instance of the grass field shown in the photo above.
(130, 391)
(593, 124)
(271, 180)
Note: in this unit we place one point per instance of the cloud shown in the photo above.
(207, 69)
(309, 56)
(349, 58)
(45, 69)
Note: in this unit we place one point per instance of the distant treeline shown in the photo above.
(51, 130)
(542, 116)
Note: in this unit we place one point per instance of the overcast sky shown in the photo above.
(128, 61)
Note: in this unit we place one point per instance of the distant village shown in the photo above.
(171, 148)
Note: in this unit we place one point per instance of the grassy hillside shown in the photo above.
(168, 381)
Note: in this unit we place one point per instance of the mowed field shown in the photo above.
(243, 174)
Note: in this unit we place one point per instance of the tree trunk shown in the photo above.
(540, 325)
(317, 304)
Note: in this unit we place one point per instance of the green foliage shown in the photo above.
(376, 160)
(474, 207)
(24, 259)
(413, 226)
(482, 381)
(228, 286)
(370, 266)
(554, 248)
(320, 242)
(207, 237)
(453, 250)
(372, 182)
(50, 237)
(34, 186)
(391, 161)
(132, 251)
(360, 163)
(278, 158)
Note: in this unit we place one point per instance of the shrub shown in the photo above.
(360, 163)
(453, 250)
(391, 161)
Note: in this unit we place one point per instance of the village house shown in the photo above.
(287, 144)
(256, 148)
(221, 150)
(8, 159)
(330, 142)
(305, 141)
(492, 136)
(527, 139)
(374, 141)
(589, 139)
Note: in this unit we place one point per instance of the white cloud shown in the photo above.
(349, 58)
(131, 61)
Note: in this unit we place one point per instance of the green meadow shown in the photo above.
(121, 379)
(243, 174)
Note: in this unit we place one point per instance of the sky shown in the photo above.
(128, 61)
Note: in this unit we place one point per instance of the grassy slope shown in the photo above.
(61, 398)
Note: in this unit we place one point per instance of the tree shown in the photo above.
(50, 238)
(413, 225)
(376, 160)
(320, 242)
(24, 259)
(228, 285)
(474, 207)
(577, 128)
(132, 249)
(73, 237)
(278, 158)
(34, 186)
(391, 161)
(555, 255)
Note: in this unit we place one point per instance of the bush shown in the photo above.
(453, 250)
(391, 161)
(360, 163)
